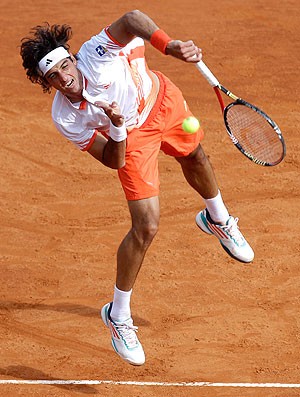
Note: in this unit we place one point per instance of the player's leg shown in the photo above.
(117, 314)
(215, 219)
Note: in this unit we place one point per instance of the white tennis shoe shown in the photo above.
(229, 236)
(123, 338)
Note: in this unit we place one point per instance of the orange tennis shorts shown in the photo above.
(161, 131)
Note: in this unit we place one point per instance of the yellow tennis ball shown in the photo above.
(190, 125)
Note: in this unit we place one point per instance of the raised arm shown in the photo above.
(135, 23)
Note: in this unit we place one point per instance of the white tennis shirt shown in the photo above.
(111, 72)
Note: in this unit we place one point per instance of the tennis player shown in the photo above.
(110, 105)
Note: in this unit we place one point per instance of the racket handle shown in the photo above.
(203, 69)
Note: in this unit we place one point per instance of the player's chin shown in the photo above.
(73, 89)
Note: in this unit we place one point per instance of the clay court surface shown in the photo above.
(201, 315)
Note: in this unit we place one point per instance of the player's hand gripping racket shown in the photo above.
(251, 130)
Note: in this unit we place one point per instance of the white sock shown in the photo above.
(121, 305)
(216, 208)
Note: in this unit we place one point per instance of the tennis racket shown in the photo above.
(251, 130)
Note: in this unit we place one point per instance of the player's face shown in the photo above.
(66, 78)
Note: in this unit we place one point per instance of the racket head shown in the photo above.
(254, 133)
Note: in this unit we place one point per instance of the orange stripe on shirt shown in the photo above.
(91, 141)
(137, 53)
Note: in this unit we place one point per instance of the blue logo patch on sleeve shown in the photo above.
(101, 50)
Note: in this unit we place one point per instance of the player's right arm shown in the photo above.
(111, 151)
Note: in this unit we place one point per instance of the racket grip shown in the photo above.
(203, 69)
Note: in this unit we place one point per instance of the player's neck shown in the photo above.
(75, 98)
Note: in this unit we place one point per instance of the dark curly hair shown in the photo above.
(44, 39)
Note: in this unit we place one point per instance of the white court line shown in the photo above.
(133, 383)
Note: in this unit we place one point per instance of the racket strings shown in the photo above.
(254, 133)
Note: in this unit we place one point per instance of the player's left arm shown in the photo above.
(135, 23)
(111, 151)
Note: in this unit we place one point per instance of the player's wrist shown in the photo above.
(117, 134)
(160, 40)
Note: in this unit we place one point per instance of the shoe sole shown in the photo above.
(200, 223)
(232, 256)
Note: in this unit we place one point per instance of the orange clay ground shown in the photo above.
(201, 315)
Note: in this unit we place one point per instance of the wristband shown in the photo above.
(117, 134)
(160, 40)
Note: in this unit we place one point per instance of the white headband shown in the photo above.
(52, 58)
